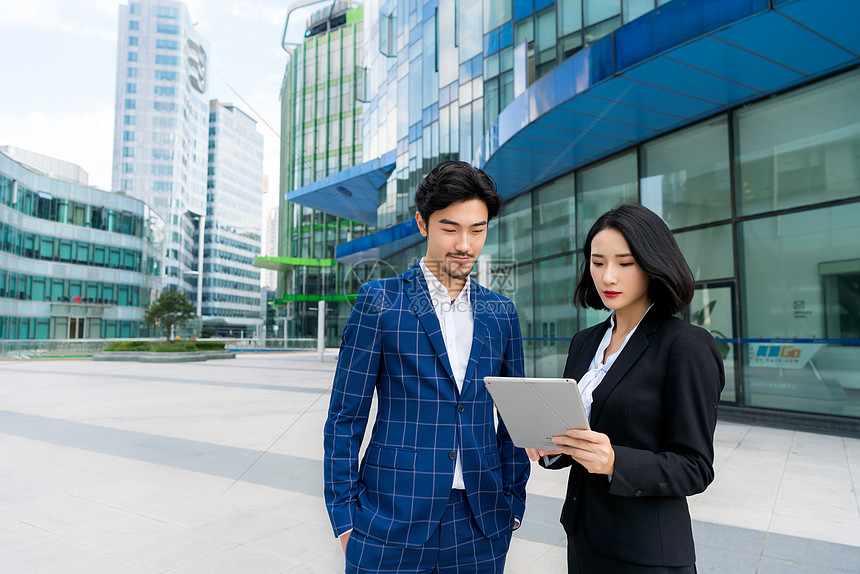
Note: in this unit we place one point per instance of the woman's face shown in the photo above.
(619, 280)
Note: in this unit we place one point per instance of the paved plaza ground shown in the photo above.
(216, 467)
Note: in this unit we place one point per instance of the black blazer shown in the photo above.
(658, 405)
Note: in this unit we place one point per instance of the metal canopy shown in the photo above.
(679, 63)
(352, 194)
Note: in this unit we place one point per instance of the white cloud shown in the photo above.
(93, 18)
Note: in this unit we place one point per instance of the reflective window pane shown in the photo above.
(790, 266)
(708, 252)
(515, 229)
(601, 188)
(801, 148)
(599, 10)
(554, 217)
(686, 177)
(555, 317)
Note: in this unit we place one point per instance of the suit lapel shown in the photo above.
(479, 333)
(415, 287)
(583, 359)
(629, 355)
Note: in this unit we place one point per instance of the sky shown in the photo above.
(58, 73)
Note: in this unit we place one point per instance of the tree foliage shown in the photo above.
(170, 309)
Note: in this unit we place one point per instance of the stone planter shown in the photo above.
(147, 357)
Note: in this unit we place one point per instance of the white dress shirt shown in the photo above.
(458, 325)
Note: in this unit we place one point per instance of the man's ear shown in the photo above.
(422, 225)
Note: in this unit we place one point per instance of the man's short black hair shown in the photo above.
(453, 181)
(656, 252)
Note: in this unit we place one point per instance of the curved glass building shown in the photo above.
(76, 262)
(738, 122)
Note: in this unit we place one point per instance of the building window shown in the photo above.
(163, 60)
(165, 44)
(128, 168)
(133, 25)
(162, 186)
(167, 12)
(131, 72)
(784, 162)
(167, 29)
(599, 10)
(128, 136)
(132, 56)
(166, 75)
(133, 41)
(128, 152)
(167, 91)
(387, 35)
(602, 187)
(130, 104)
(129, 120)
(162, 170)
(164, 106)
(131, 88)
(128, 184)
(799, 281)
(134, 8)
(686, 177)
(554, 216)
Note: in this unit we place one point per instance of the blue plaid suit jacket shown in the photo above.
(392, 344)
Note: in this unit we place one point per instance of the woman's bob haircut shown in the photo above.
(656, 252)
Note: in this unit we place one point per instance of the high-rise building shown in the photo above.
(736, 121)
(161, 126)
(321, 126)
(231, 238)
(76, 262)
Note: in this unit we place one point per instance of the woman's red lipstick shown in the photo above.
(611, 294)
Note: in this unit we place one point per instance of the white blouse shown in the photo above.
(596, 372)
(598, 368)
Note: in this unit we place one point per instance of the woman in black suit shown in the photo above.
(651, 384)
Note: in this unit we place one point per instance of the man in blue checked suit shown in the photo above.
(441, 486)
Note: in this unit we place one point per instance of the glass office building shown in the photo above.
(76, 262)
(230, 298)
(321, 126)
(738, 122)
(161, 124)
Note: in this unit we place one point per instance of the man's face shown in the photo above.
(455, 238)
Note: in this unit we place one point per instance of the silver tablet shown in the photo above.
(535, 410)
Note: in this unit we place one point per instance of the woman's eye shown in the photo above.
(626, 264)
(596, 264)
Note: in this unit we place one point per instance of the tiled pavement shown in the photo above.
(216, 467)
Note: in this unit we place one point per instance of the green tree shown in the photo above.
(170, 309)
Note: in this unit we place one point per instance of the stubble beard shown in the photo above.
(452, 272)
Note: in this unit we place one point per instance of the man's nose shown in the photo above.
(464, 244)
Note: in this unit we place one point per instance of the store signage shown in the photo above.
(782, 355)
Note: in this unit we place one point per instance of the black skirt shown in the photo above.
(584, 558)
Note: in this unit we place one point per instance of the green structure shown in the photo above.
(321, 119)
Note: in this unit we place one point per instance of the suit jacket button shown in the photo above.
(637, 493)
(460, 408)
(452, 455)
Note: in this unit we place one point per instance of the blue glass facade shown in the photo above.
(735, 121)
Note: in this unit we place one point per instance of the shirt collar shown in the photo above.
(435, 286)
